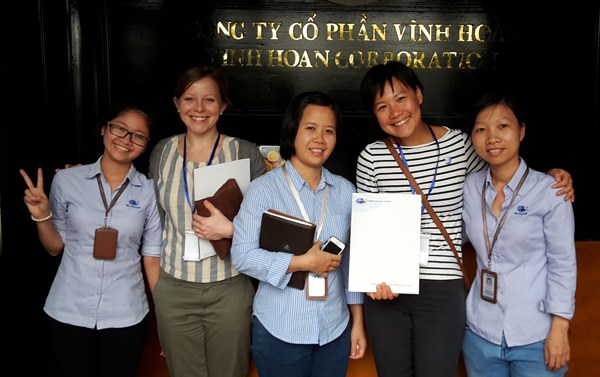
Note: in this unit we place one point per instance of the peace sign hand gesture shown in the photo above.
(35, 198)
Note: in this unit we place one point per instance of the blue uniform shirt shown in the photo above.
(534, 258)
(89, 292)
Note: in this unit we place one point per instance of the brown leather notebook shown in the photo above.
(227, 199)
(282, 232)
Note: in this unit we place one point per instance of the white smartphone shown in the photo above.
(333, 246)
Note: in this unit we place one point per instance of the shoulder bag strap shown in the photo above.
(389, 143)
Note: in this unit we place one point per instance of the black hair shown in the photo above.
(512, 101)
(135, 109)
(373, 83)
(293, 115)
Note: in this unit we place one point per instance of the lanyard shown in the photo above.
(184, 170)
(437, 162)
(107, 207)
(299, 201)
(483, 213)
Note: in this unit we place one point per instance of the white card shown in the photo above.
(191, 251)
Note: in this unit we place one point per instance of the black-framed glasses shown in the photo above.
(118, 131)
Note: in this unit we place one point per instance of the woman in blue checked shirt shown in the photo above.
(294, 334)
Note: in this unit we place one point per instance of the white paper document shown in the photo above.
(385, 242)
(207, 181)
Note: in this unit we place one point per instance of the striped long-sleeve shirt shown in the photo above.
(377, 171)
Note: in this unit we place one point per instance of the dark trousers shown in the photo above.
(276, 358)
(83, 352)
(418, 335)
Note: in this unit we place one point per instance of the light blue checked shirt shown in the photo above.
(286, 312)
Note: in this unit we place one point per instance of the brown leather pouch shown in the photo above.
(227, 199)
(105, 243)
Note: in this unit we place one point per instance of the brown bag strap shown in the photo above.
(389, 143)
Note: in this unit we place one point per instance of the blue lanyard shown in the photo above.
(437, 162)
(212, 155)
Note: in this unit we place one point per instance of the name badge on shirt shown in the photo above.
(489, 285)
(316, 287)
(424, 249)
(191, 251)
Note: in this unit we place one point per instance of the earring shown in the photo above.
(220, 113)
(178, 110)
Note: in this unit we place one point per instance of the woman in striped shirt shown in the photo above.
(202, 303)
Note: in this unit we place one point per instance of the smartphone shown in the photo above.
(333, 246)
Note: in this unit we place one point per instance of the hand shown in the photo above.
(358, 337)
(564, 183)
(321, 262)
(66, 167)
(214, 227)
(35, 199)
(556, 348)
(384, 292)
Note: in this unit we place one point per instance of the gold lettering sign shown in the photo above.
(272, 53)
(334, 41)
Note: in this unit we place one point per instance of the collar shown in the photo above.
(514, 181)
(96, 169)
(299, 182)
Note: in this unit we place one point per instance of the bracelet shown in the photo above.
(42, 219)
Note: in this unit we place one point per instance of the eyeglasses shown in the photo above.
(118, 131)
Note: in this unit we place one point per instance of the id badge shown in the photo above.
(191, 251)
(489, 285)
(424, 249)
(105, 243)
(316, 287)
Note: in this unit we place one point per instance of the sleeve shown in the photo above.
(153, 172)
(473, 161)
(365, 172)
(152, 236)
(257, 162)
(58, 206)
(155, 156)
(246, 255)
(559, 230)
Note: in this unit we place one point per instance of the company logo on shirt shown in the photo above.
(448, 160)
(133, 203)
(521, 209)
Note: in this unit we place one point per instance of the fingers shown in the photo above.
(28, 181)
(40, 180)
(384, 292)
(569, 194)
(211, 208)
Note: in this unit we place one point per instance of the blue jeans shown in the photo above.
(483, 358)
(276, 358)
